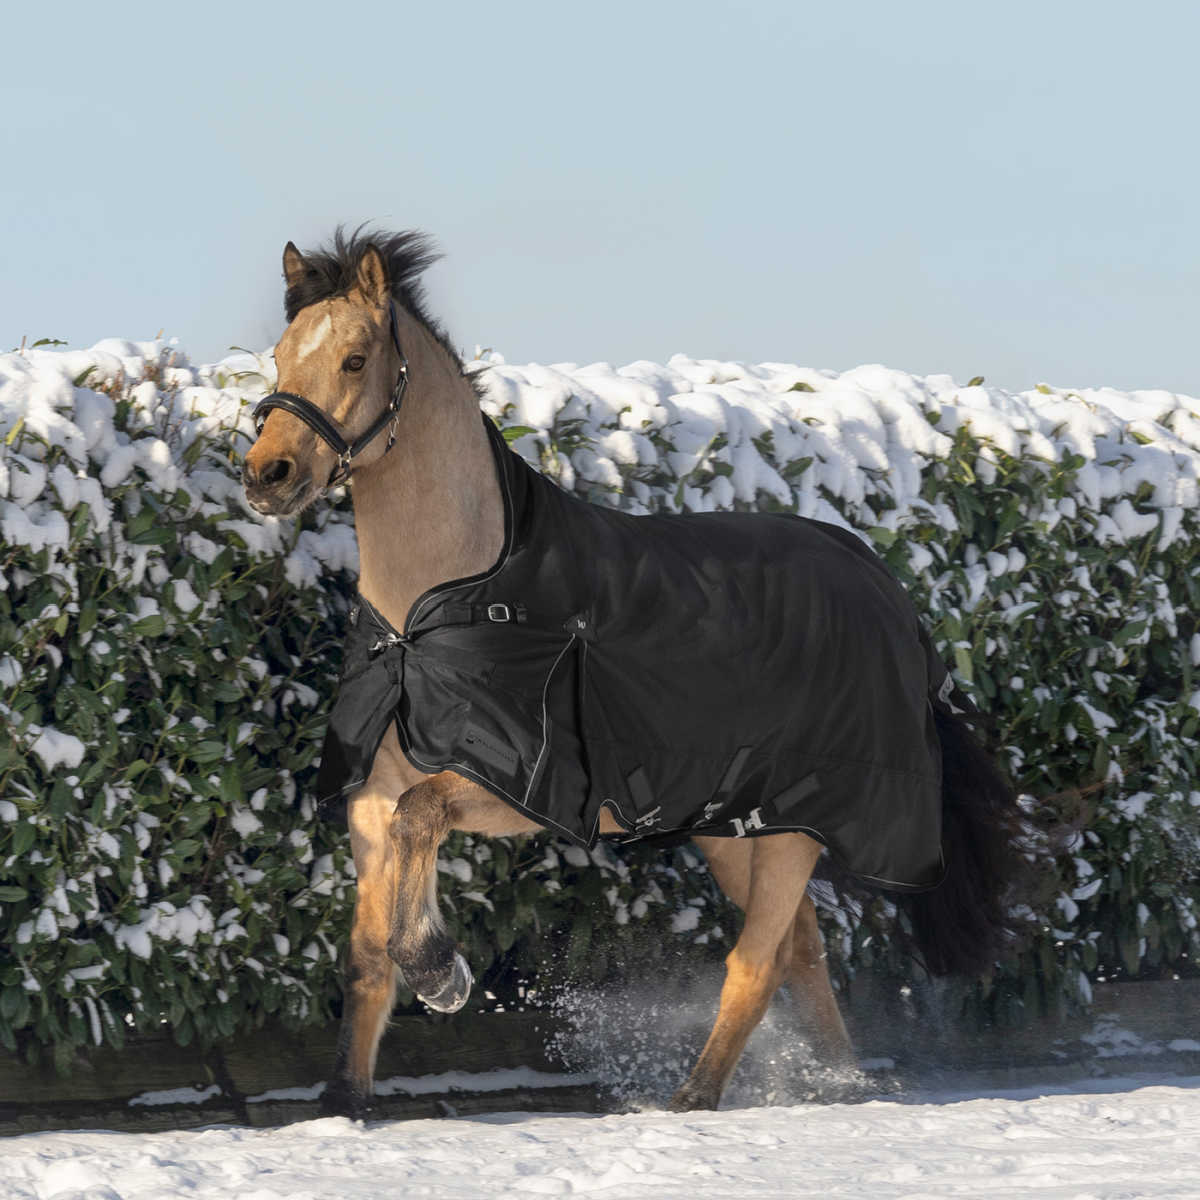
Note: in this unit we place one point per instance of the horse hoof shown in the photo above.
(689, 1100)
(453, 995)
(340, 1100)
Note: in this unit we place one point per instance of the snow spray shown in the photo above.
(640, 1040)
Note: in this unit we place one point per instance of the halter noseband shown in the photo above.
(327, 431)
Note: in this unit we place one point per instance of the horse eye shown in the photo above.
(354, 362)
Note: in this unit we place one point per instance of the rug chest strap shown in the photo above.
(461, 612)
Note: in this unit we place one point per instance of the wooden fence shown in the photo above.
(273, 1076)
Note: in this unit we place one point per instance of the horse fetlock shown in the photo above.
(420, 953)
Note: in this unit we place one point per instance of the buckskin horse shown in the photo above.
(521, 660)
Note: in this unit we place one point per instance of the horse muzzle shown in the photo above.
(278, 488)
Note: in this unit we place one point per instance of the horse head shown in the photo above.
(341, 379)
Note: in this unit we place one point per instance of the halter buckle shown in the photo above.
(397, 396)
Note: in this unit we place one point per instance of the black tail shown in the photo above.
(961, 926)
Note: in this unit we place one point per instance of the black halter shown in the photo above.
(327, 431)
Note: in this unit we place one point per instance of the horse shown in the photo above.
(361, 357)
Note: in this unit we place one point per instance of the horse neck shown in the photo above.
(430, 509)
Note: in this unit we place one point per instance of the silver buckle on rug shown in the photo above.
(388, 640)
(499, 612)
(753, 821)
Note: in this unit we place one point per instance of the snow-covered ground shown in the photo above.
(1111, 1138)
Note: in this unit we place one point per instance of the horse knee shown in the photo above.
(420, 819)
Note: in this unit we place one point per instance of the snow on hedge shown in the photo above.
(866, 435)
(175, 414)
(166, 654)
(724, 432)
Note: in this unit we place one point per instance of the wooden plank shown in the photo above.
(575, 1098)
(427, 1045)
(273, 1058)
(148, 1063)
(1159, 1011)
(17, 1119)
(416, 1045)
(916, 1032)
(155, 1118)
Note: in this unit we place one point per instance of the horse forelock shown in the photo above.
(332, 270)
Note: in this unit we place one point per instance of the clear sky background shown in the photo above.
(1008, 189)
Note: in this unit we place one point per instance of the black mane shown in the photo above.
(333, 271)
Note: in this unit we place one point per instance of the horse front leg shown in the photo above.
(369, 978)
(417, 941)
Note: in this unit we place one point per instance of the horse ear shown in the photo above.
(373, 277)
(294, 266)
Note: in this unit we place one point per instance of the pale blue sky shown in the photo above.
(1004, 189)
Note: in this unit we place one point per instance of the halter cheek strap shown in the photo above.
(327, 431)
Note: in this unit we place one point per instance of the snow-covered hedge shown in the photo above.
(166, 656)
(165, 660)
(1050, 537)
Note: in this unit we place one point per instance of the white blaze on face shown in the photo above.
(315, 337)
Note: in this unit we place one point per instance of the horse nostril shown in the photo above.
(276, 472)
(249, 475)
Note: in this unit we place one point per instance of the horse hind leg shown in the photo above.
(418, 942)
(815, 1005)
(801, 956)
(779, 869)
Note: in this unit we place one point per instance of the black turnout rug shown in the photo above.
(731, 674)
